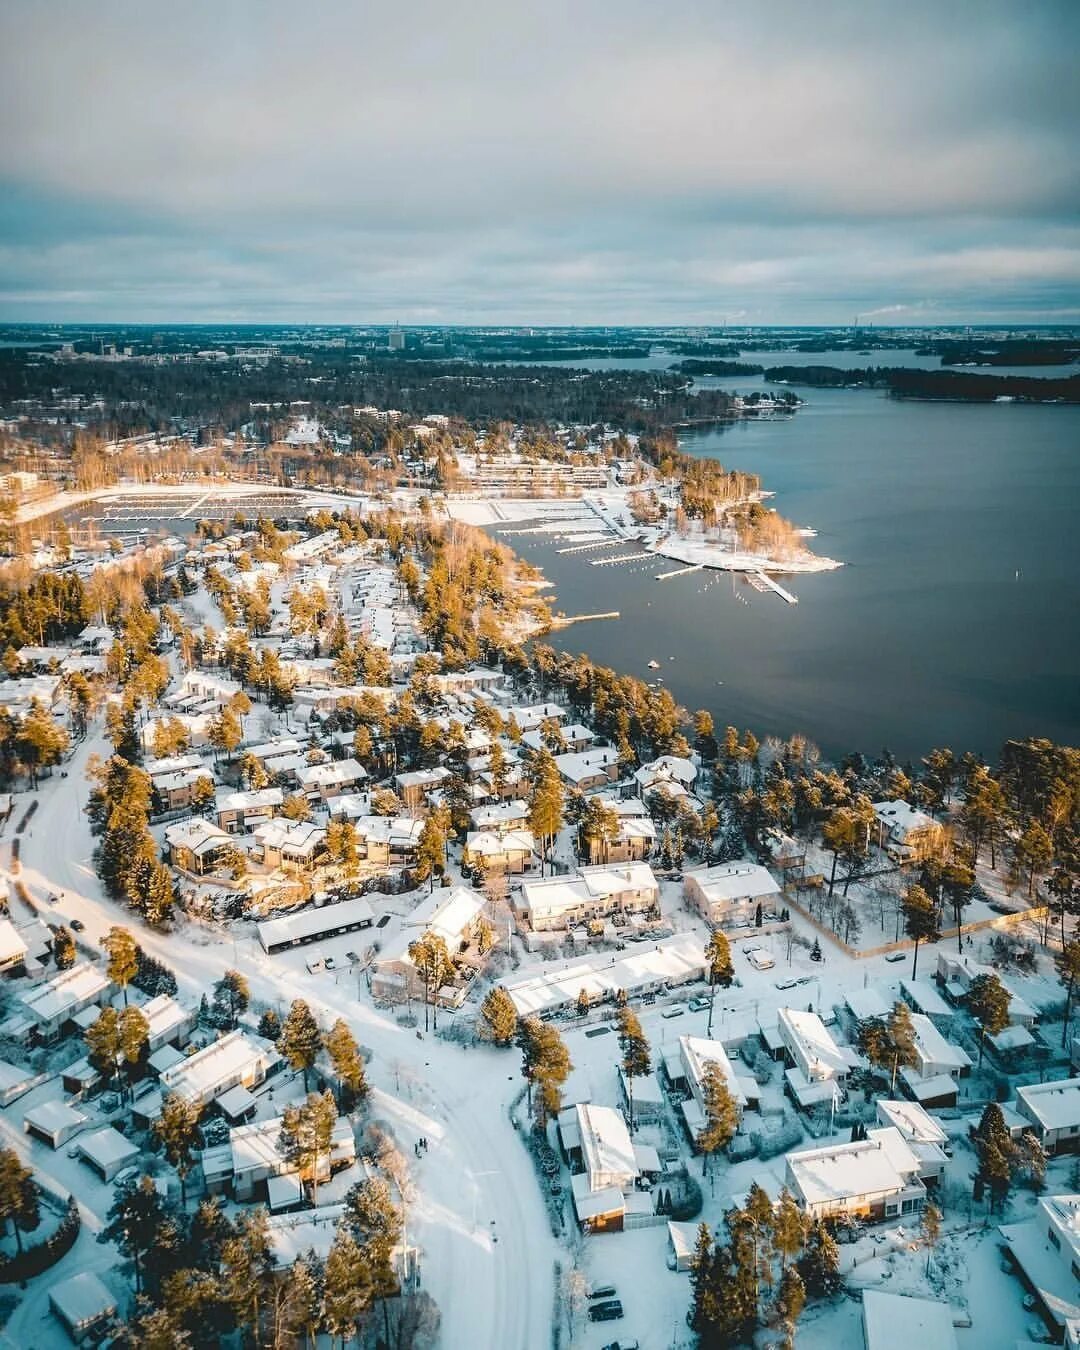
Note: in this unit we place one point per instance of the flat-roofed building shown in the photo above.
(13, 949)
(1047, 1250)
(554, 903)
(727, 895)
(82, 1304)
(904, 1322)
(875, 1178)
(54, 1123)
(1054, 1112)
(106, 1152)
(924, 1136)
(315, 922)
(234, 1060)
(54, 1003)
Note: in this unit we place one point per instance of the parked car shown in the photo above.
(893, 957)
(603, 1291)
(676, 1011)
(698, 1004)
(328, 963)
(78, 925)
(606, 1312)
(623, 1345)
(786, 984)
(760, 959)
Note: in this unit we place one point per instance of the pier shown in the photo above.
(761, 582)
(680, 571)
(564, 621)
(582, 548)
(624, 558)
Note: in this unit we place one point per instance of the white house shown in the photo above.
(904, 1322)
(603, 1164)
(596, 892)
(905, 832)
(52, 1004)
(696, 1054)
(234, 1060)
(728, 894)
(1047, 1250)
(924, 1136)
(820, 1065)
(876, 1177)
(1054, 1112)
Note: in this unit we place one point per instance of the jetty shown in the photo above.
(583, 548)
(762, 582)
(680, 571)
(622, 558)
(564, 621)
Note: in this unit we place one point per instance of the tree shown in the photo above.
(307, 1132)
(176, 1129)
(703, 1309)
(123, 953)
(996, 1152)
(431, 958)
(1034, 851)
(134, 1035)
(721, 969)
(819, 1264)
(270, 1025)
(789, 1228)
(18, 1195)
(987, 1000)
(930, 1228)
(300, 1040)
(636, 1059)
(342, 846)
(790, 1300)
(499, 1016)
(1068, 965)
(103, 1042)
(224, 733)
(920, 920)
(135, 1222)
(246, 1268)
(348, 1064)
(721, 1112)
(231, 998)
(375, 1224)
(430, 851)
(889, 1044)
(545, 1065)
(39, 741)
(63, 948)
(159, 895)
(545, 802)
(598, 830)
(347, 1295)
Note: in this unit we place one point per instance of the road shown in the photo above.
(487, 1250)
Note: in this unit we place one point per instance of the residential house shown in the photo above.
(416, 787)
(52, 1005)
(453, 914)
(554, 903)
(315, 922)
(294, 847)
(255, 1154)
(1047, 1251)
(1054, 1112)
(236, 1060)
(667, 772)
(196, 845)
(695, 1054)
(603, 1166)
(819, 1065)
(939, 1065)
(924, 1136)
(323, 782)
(903, 1322)
(589, 769)
(241, 812)
(506, 851)
(727, 895)
(874, 1178)
(906, 833)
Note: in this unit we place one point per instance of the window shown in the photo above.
(1055, 1241)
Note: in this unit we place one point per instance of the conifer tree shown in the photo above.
(18, 1195)
(789, 1228)
(636, 1058)
(300, 1040)
(177, 1131)
(819, 1264)
(499, 1016)
(348, 1064)
(123, 952)
(721, 1113)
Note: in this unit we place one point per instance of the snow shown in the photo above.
(898, 1322)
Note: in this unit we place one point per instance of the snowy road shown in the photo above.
(487, 1249)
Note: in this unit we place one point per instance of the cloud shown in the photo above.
(615, 161)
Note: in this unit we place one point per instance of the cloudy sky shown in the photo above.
(572, 161)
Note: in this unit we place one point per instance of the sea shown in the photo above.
(955, 619)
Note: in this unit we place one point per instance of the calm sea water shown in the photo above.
(956, 620)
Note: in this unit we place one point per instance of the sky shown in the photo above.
(570, 162)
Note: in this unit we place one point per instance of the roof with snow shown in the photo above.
(899, 1322)
(734, 881)
(1055, 1106)
(881, 1164)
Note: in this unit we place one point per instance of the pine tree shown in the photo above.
(545, 802)
(789, 1228)
(307, 1132)
(819, 1265)
(63, 948)
(347, 1295)
(545, 1066)
(347, 1063)
(721, 969)
(18, 1195)
(703, 1311)
(300, 1040)
(135, 1223)
(270, 1025)
(636, 1059)
(431, 958)
(987, 1000)
(232, 996)
(499, 1016)
(247, 1267)
(721, 1112)
(920, 920)
(123, 953)
(176, 1128)
(930, 1228)
(790, 1300)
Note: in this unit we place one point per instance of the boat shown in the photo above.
(654, 665)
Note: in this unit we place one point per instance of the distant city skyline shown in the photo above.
(598, 163)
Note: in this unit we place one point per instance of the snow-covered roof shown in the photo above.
(50, 1117)
(80, 985)
(868, 1003)
(901, 1322)
(670, 767)
(575, 767)
(332, 774)
(554, 895)
(697, 1053)
(878, 1165)
(734, 881)
(197, 834)
(250, 801)
(806, 1034)
(314, 920)
(934, 1049)
(164, 1015)
(1055, 1106)
(12, 947)
(299, 837)
(901, 819)
(606, 1145)
(81, 1300)
(491, 844)
(915, 1124)
(210, 1071)
(107, 1148)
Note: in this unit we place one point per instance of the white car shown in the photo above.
(760, 959)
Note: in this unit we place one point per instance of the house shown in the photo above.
(554, 903)
(51, 1005)
(323, 782)
(817, 1061)
(667, 772)
(414, 788)
(572, 739)
(241, 812)
(53, 1122)
(82, 1305)
(682, 1244)
(1046, 1249)
(196, 845)
(388, 841)
(509, 851)
(924, 1136)
(602, 977)
(168, 1022)
(695, 1055)
(106, 1152)
(255, 1154)
(603, 1167)
(955, 973)
(728, 895)
(906, 833)
(13, 949)
(179, 791)
(636, 837)
(589, 769)
(875, 1178)
(903, 1322)
(1054, 1112)
(454, 915)
(294, 847)
(501, 816)
(534, 715)
(235, 1060)
(313, 923)
(934, 1054)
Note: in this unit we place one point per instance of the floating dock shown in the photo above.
(762, 582)
(623, 558)
(680, 571)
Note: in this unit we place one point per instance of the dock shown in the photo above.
(761, 582)
(680, 571)
(622, 558)
(583, 548)
(564, 621)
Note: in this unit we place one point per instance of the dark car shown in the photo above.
(603, 1291)
(606, 1312)
(78, 925)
